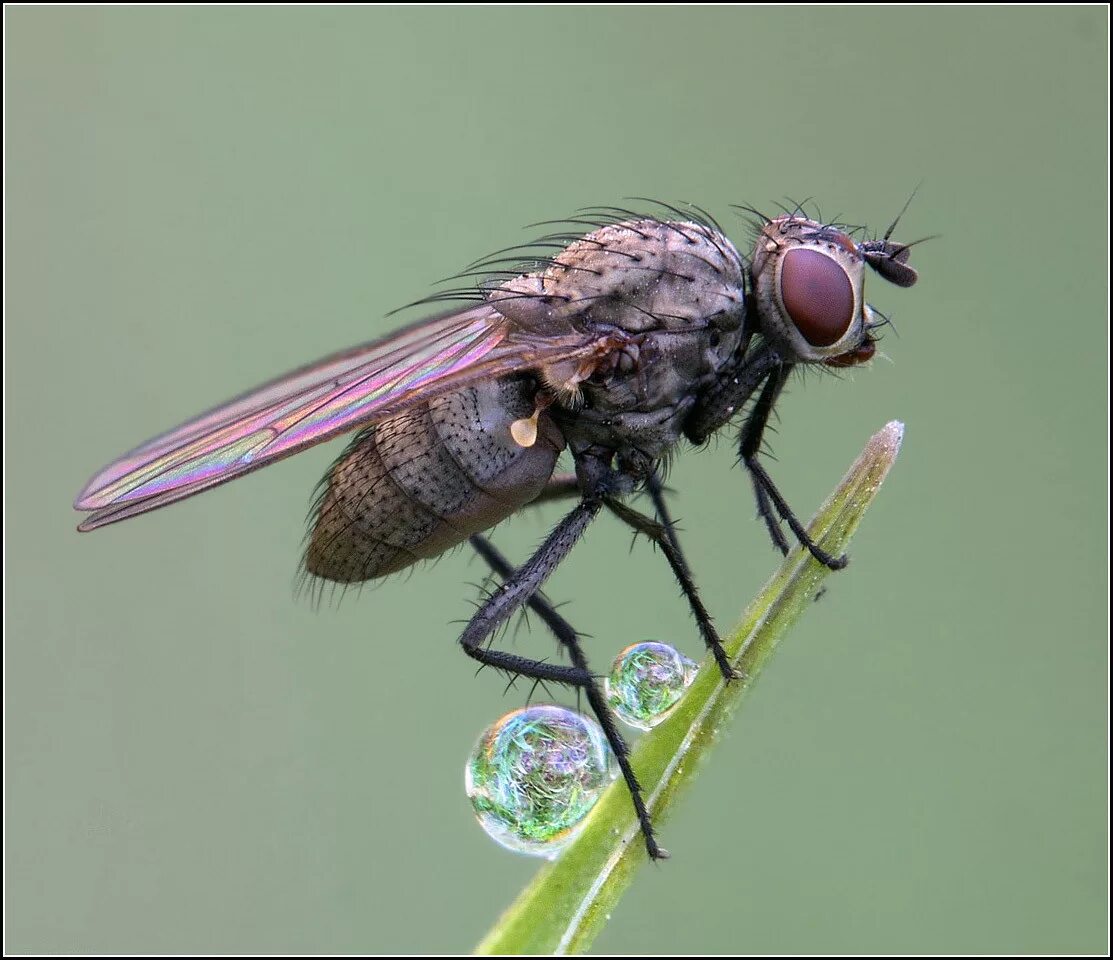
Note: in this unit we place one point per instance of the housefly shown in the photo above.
(613, 342)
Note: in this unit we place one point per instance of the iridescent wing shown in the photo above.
(339, 393)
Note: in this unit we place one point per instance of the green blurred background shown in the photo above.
(201, 198)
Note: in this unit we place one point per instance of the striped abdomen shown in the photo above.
(414, 485)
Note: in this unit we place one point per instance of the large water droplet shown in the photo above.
(646, 682)
(534, 776)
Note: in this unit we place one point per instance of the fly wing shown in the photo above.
(339, 393)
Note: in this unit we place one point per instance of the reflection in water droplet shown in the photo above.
(646, 682)
(535, 774)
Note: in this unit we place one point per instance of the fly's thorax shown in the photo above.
(636, 276)
(421, 482)
(676, 289)
(807, 281)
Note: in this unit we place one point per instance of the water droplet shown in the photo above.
(534, 776)
(646, 682)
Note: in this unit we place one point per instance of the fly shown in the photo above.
(613, 344)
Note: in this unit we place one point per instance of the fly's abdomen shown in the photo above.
(414, 485)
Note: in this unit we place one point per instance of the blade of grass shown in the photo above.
(568, 901)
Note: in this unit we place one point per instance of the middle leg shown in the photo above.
(659, 534)
(662, 532)
(656, 490)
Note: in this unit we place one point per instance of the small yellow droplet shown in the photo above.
(524, 431)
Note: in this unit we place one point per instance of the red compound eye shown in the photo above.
(817, 294)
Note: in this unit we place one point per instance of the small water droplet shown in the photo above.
(646, 682)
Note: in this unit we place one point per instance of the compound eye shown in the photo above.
(817, 294)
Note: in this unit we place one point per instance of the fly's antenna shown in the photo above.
(890, 259)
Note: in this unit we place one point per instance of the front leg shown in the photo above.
(768, 496)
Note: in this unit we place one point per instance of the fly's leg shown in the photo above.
(658, 533)
(656, 491)
(769, 498)
(520, 587)
(538, 603)
(722, 402)
(768, 514)
(749, 445)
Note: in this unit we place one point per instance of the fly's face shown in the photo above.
(808, 282)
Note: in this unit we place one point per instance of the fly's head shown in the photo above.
(807, 279)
